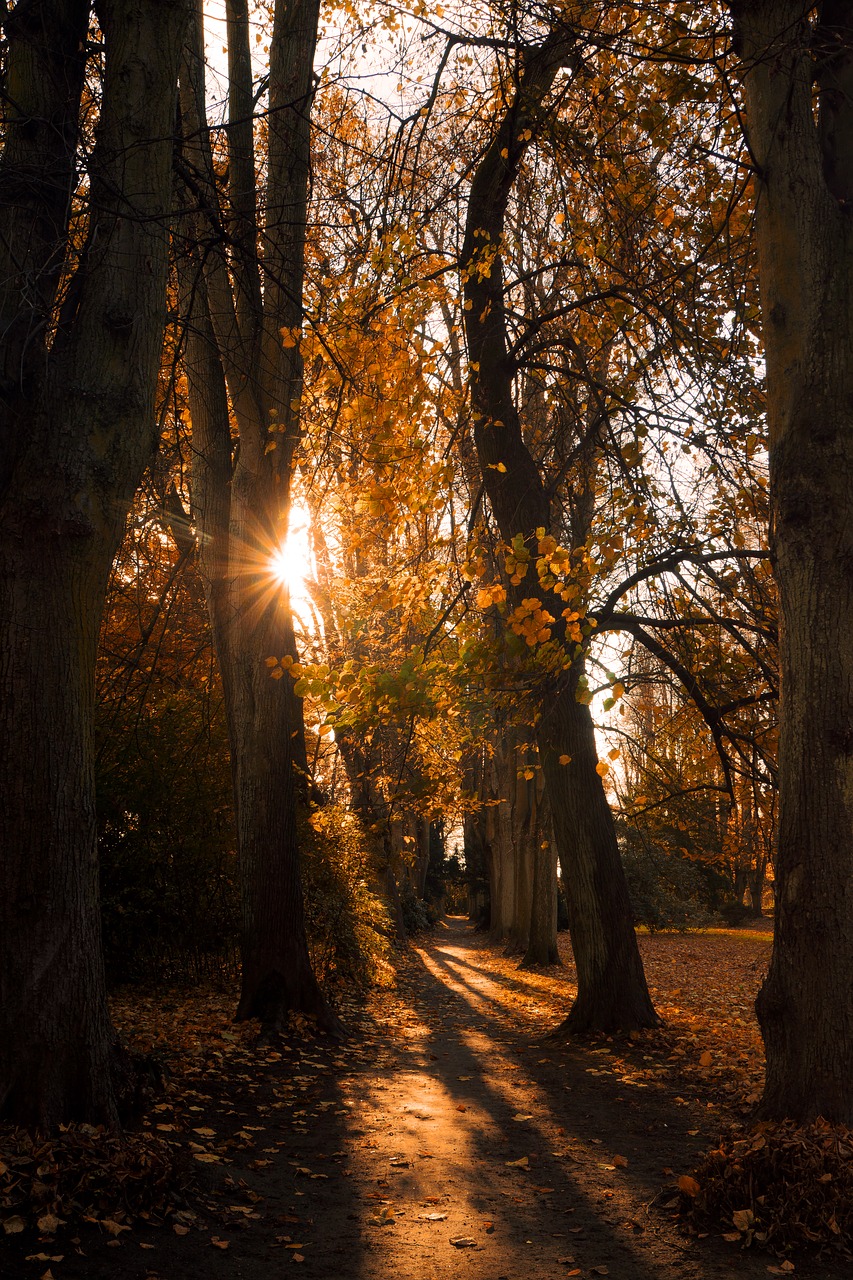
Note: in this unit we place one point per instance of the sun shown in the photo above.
(290, 563)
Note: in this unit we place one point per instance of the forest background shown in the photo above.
(535, 319)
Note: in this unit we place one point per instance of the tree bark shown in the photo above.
(542, 942)
(236, 350)
(78, 427)
(804, 184)
(612, 991)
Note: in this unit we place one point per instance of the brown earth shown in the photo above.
(447, 1138)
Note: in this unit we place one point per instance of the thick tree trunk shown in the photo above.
(542, 943)
(54, 1028)
(612, 990)
(78, 416)
(805, 235)
(235, 337)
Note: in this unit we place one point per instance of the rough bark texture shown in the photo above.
(612, 990)
(77, 426)
(804, 186)
(542, 941)
(236, 350)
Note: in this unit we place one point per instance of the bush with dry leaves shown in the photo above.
(781, 1186)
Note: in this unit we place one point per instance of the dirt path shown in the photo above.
(443, 1143)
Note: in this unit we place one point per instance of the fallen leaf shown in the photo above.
(297, 1257)
(431, 1217)
(49, 1223)
(206, 1157)
(219, 1244)
(13, 1225)
(600, 1271)
(621, 1162)
(114, 1228)
(179, 1230)
(521, 1118)
(523, 1163)
(688, 1185)
(463, 1242)
(743, 1219)
(460, 1106)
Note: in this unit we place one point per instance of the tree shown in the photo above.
(241, 288)
(612, 989)
(83, 258)
(796, 62)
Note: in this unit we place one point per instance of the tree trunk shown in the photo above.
(804, 163)
(612, 989)
(612, 992)
(77, 415)
(542, 944)
(235, 348)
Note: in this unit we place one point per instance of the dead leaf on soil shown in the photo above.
(13, 1225)
(114, 1228)
(49, 1223)
(523, 1163)
(463, 1242)
(688, 1185)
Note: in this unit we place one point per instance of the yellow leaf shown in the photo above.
(559, 218)
(565, 759)
(496, 466)
(614, 754)
(602, 768)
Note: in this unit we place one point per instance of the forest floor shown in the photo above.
(447, 1138)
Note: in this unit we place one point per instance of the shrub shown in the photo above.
(665, 889)
(347, 922)
(169, 895)
(418, 916)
